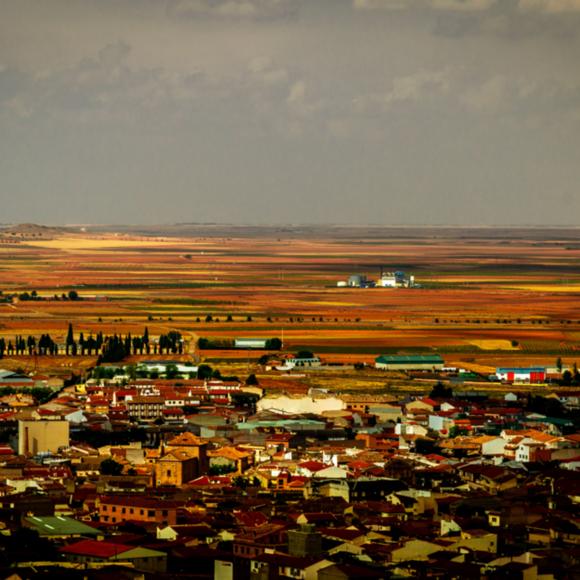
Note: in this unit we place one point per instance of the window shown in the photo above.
(164, 512)
(169, 473)
(150, 513)
(114, 508)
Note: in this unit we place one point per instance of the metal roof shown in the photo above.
(139, 552)
(521, 369)
(59, 526)
(410, 358)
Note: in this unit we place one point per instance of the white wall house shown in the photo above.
(439, 423)
(299, 405)
(494, 447)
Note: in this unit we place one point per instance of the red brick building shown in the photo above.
(123, 508)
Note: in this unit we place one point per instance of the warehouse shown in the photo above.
(521, 375)
(259, 343)
(412, 362)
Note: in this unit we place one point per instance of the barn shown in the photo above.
(259, 343)
(521, 374)
(410, 362)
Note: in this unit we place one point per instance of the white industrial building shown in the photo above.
(249, 343)
(395, 280)
(286, 405)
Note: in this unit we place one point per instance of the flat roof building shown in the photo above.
(412, 362)
(250, 343)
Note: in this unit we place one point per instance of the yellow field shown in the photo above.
(564, 288)
(475, 297)
(490, 344)
(81, 243)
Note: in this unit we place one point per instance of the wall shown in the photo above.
(299, 405)
(41, 436)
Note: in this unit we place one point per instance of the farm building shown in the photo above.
(395, 280)
(294, 361)
(521, 375)
(160, 366)
(412, 362)
(356, 281)
(250, 343)
(10, 378)
(387, 280)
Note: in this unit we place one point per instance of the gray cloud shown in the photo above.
(233, 9)
(550, 6)
(333, 111)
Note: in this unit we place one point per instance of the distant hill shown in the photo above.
(34, 231)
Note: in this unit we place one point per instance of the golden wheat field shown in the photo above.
(480, 299)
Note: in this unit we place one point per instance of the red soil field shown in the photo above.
(479, 296)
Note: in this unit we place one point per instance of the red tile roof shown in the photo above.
(313, 465)
(96, 549)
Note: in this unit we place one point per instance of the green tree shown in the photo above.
(424, 446)
(70, 339)
(110, 467)
(440, 391)
(252, 380)
(273, 344)
(131, 371)
(304, 354)
(171, 371)
(204, 372)
(455, 431)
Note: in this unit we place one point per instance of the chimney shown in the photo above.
(26, 444)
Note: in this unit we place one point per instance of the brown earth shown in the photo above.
(483, 299)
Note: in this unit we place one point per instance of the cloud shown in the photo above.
(113, 54)
(413, 87)
(487, 96)
(447, 5)
(512, 19)
(233, 9)
(385, 4)
(263, 70)
(102, 87)
(297, 93)
(523, 96)
(550, 6)
(463, 5)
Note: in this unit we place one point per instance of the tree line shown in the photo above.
(33, 296)
(109, 348)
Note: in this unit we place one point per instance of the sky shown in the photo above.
(461, 112)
